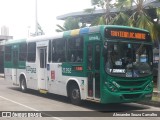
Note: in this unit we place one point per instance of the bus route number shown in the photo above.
(66, 70)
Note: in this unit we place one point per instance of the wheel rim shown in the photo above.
(75, 94)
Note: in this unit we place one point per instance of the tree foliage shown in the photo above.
(107, 6)
(131, 13)
(139, 16)
(70, 24)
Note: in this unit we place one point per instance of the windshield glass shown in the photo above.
(128, 59)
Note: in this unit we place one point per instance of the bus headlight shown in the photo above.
(111, 87)
(149, 86)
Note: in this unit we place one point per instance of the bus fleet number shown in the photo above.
(66, 70)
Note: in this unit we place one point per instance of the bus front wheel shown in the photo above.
(23, 85)
(75, 94)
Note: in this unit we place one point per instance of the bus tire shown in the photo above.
(75, 95)
(23, 84)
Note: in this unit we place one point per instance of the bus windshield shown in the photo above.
(128, 59)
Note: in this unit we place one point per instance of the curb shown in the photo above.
(151, 103)
(155, 103)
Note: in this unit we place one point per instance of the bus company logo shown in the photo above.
(94, 38)
(29, 69)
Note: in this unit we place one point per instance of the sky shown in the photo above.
(19, 15)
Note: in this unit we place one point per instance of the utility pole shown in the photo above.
(36, 19)
(158, 80)
(29, 31)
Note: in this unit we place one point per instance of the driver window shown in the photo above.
(113, 54)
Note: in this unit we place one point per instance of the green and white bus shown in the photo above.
(105, 64)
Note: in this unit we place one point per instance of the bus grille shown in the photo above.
(130, 89)
(131, 96)
(131, 83)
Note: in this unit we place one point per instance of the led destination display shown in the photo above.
(129, 34)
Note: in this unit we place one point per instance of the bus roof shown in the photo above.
(11, 41)
(76, 32)
(46, 37)
(96, 29)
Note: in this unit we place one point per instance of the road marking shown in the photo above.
(27, 106)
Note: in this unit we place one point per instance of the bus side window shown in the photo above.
(58, 50)
(22, 52)
(53, 51)
(50, 51)
(75, 49)
(8, 53)
(31, 57)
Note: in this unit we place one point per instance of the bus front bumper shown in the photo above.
(124, 97)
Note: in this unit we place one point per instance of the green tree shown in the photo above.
(138, 17)
(107, 6)
(70, 24)
(131, 13)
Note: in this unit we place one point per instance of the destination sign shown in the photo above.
(129, 34)
(124, 34)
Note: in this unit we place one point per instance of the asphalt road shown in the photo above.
(12, 99)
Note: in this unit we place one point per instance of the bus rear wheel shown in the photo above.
(23, 84)
(75, 95)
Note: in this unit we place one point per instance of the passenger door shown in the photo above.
(42, 72)
(93, 69)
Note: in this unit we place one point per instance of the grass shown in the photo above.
(156, 97)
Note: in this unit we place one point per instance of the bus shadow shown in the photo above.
(112, 107)
(38, 94)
